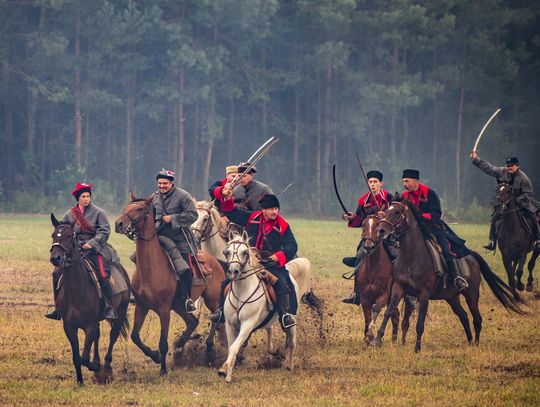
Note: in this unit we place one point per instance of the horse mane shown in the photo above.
(426, 226)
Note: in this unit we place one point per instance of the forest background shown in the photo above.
(109, 92)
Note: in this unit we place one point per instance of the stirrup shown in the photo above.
(218, 316)
(110, 313)
(536, 245)
(460, 283)
(53, 314)
(490, 246)
(350, 261)
(353, 299)
(287, 320)
(190, 306)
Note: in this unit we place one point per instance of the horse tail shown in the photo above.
(312, 301)
(506, 295)
(124, 325)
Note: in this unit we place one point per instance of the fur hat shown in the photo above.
(375, 174)
(269, 201)
(414, 174)
(80, 188)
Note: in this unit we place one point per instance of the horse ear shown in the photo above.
(54, 221)
(132, 195)
(245, 236)
(231, 235)
(149, 200)
(397, 196)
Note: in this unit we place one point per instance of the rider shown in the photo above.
(92, 231)
(231, 172)
(273, 237)
(428, 204)
(174, 212)
(521, 185)
(248, 194)
(367, 206)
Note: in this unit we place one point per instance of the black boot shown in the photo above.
(350, 261)
(109, 312)
(535, 229)
(492, 244)
(285, 317)
(218, 316)
(459, 281)
(187, 280)
(54, 314)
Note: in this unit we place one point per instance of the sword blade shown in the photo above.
(484, 129)
(259, 149)
(336, 189)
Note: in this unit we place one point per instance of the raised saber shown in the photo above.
(263, 151)
(285, 189)
(260, 148)
(367, 182)
(484, 128)
(336, 189)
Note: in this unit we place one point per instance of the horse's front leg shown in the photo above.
(397, 295)
(422, 312)
(236, 342)
(140, 314)
(164, 320)
(91, 337)
(510, 267)
(405, 322)
(530, 267)
(290, 342)
(368, 331)
(519, 272)
(269, 343)
(71, 334)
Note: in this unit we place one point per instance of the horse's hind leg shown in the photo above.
(91, 337)
(140, 314)
(397, 295)
(71, 334)
(164, 320)
(472, 297)
(291, 345)
(191, 324)
(420, 323)
(519, 272)
(462, 315)
(116, 328)
(269, 342)
(405, 323)
(510, 268)
(530, 267)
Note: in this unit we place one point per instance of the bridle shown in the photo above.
(131, 230)
(66, 258)
(504, 203)
(206, 231)
(395, 227)
(374, 240)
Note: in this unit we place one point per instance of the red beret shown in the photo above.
(80, 188)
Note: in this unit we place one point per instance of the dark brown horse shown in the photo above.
(154, 282)
(79, 304)
(415, 274)
(374, 281)
(514, 238)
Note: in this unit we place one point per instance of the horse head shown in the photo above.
(132, 219)
(504, 195)
(202, 227)
(395, 218)
(63, 238)
(238, 254)
(369, 232)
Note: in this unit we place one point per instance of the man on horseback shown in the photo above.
(92, 230)
(174, 212)
(273, 237)
(231, 172)
(248, 194)
(523, 192)
(428, 204)
(377, 199)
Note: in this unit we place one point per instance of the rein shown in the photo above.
(395, 226)
(131, 230)
(206, 231)
(66, 258)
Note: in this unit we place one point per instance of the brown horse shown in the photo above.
(514, 238)
(79, 304)
(374, 281)
(415, 274)
(154, 282)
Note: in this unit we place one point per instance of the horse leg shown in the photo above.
(164, 320)
(269, 343)
(472, 297)
(397, 295)
(116, 328)
(455, 304)
(235, 339)
(509, 267)
(530, 267)
(519, 272)
(395, 324)
(191, 324)
(368, 327)
(71, 334)
(91, 337)
(290, 342)
(422, 312)
(405, 323)
(140, 314)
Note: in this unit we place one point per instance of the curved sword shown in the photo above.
(337, 192)
(367, 182)
(484, 128)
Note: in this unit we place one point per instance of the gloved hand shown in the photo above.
(267, 263)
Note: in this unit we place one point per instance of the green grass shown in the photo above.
(36, 367)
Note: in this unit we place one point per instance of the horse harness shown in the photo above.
(131, 231)
(206, 231)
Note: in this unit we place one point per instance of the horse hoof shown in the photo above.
(163, 372)
(156, 357)
(417, 349)
(529, 287)
(520, 286)
(222, 372)
(377, 342)
(394, 339)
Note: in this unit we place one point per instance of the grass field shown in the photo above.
(338, 369)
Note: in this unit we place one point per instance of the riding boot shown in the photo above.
(133, 257)
(218, 316)
(109, 312)
(459, 281)
(492, 244)
(354, 298)
(535, 229)
(285, 317)
(354, 261)
(54, 314)
(392, 249)
(184, 277)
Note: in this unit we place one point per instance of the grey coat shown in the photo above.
(248, 196)
(96, 218)
(520, 182)
(179, 204)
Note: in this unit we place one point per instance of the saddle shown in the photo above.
(116, 280)
(270, 293)
(439, 263)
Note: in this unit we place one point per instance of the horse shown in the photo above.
(154, 282)
(514, 238)
(374, 282)
(210, 230)
(247, 305)
(415, 273)
(79, 303)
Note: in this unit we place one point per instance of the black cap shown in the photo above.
(243, 166)
(269, 201)
(408, 173)
(512, 160)
(375, 174)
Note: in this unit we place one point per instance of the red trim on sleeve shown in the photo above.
(281, 258)
(426, 215)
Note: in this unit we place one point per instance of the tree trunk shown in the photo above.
(181, 141)
(77, 90)
(318, 152)
(31, 121)
(458, 148)
(296, 136)
(230, 138)
(129, 131)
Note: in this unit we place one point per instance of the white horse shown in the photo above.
(247, 304)
(210, 229)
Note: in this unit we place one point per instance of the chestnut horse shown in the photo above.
(154, 282)
(79, 304)
(374, 282)
(514, 238)
(415, 274)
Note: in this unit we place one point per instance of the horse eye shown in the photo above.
(226, 252)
